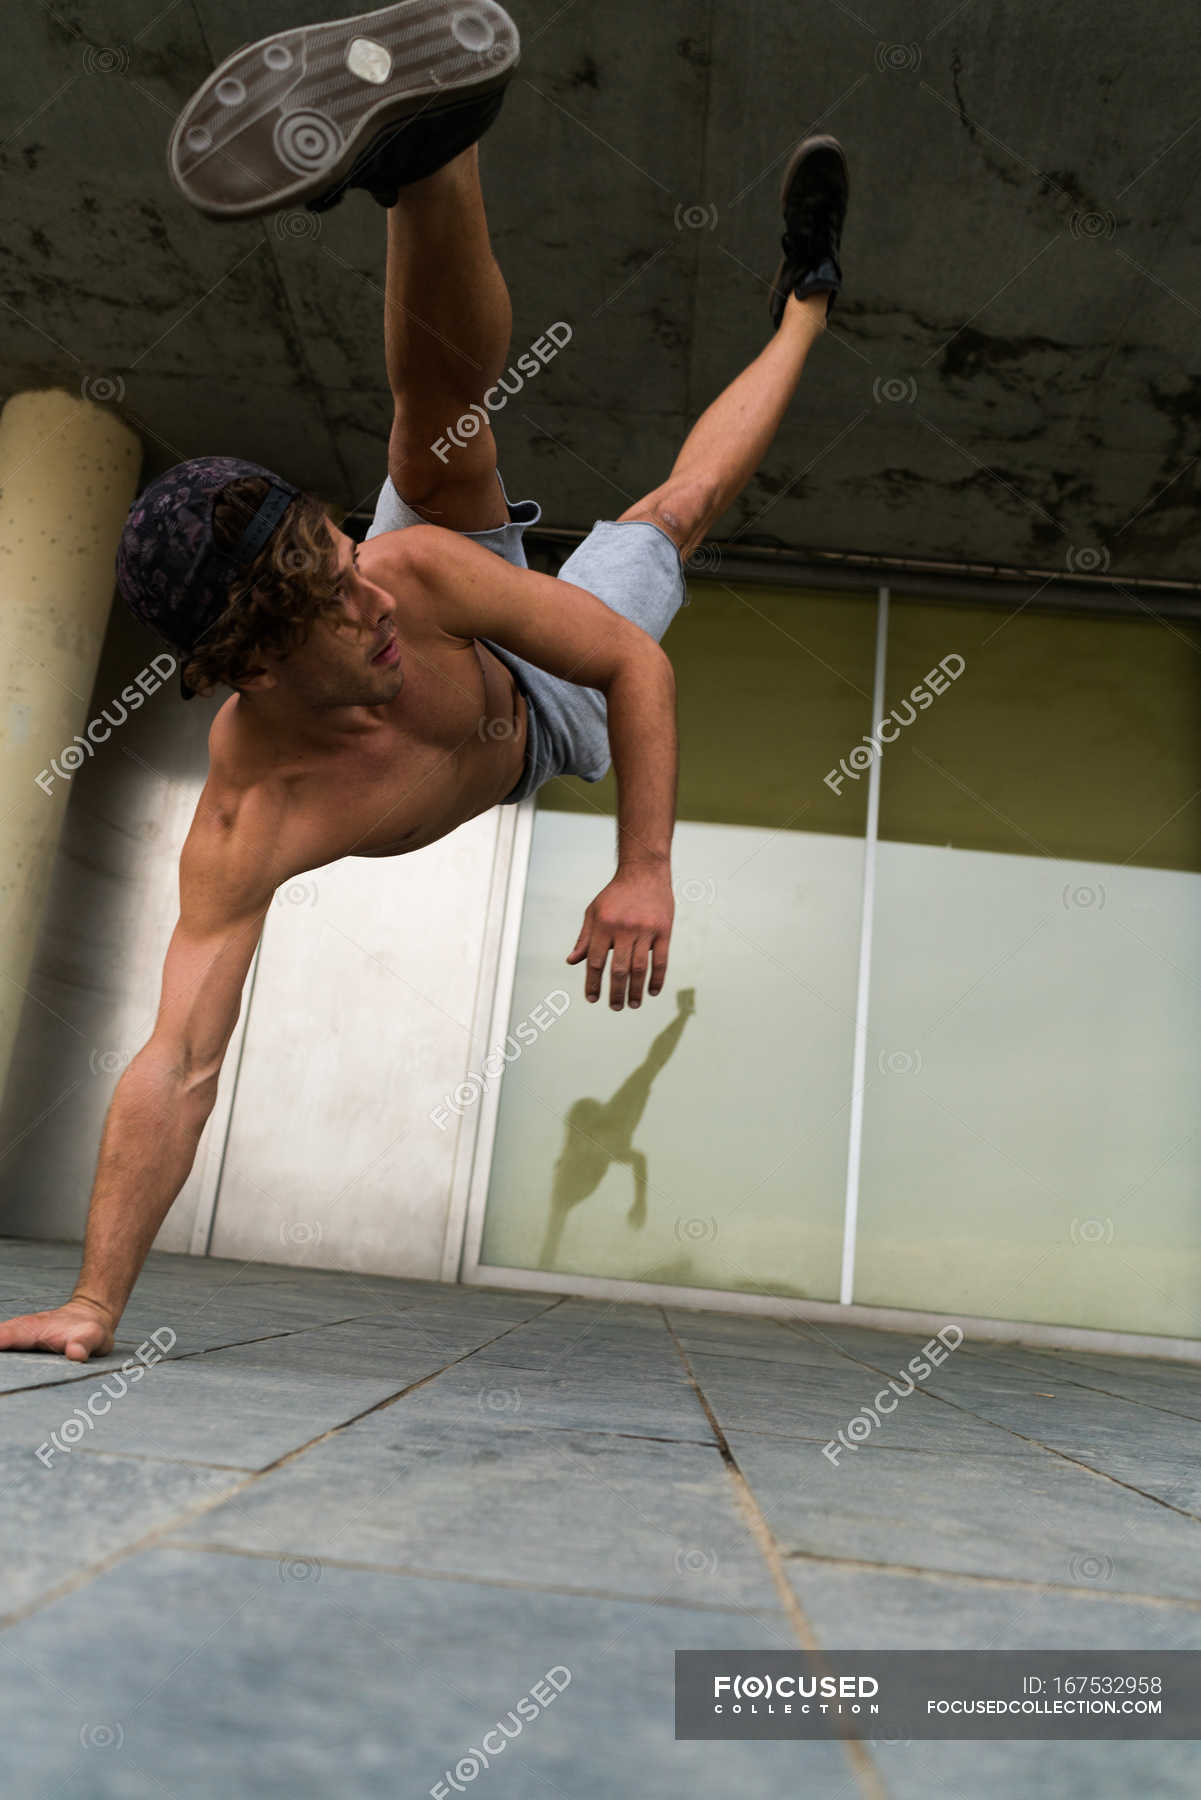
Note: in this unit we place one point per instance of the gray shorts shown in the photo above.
(633, 567)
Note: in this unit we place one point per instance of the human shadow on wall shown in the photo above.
(600, 1132)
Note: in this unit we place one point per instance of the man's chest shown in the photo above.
(451, 746)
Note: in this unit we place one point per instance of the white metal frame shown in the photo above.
(867, 919)
(493, 997)
(462, 1257)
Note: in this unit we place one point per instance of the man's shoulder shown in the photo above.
(239, 846)
(419, 565)
(457, 583)
(409, 556)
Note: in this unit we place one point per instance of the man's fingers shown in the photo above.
(618, 977)
(632, 962)
(596, 974)
(638, 968)
(581, 943)
(659, 971)
(628, 971)
(24, 1333)
(598, 952)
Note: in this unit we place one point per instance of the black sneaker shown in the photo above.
(376, 102)
(813, 197)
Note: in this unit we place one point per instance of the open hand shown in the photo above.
(633, 918)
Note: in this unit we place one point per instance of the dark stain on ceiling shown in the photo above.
(1009, 376)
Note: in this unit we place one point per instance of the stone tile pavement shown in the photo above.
(348, 1523)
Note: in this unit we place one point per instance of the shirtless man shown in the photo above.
(385, 692)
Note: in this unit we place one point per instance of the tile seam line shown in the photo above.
(99, 1374)
(863, 1769)
(921, 1572)
(800, 1437)
(1090, 1387)
(270, 1337)
(169, 1462)
(1049, 1450)
(414, 1572)
(83, 1577)
(185, 1462)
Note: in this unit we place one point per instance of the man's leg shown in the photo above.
(447, 325)
(729, 440)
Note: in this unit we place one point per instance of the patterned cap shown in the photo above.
(170, 571)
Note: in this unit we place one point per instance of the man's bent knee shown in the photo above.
(683, 509)
(451, 483)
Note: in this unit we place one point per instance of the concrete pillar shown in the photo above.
(68, 473)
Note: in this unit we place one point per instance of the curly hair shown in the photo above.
(275, 603)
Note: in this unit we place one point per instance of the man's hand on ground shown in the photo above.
(633, 918)
(77, 1330)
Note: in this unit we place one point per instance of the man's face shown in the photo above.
(353, 660)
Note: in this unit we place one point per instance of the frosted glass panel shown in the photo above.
(699, 1140)
(1031, 1146)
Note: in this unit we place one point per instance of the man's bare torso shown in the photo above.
(450, 745)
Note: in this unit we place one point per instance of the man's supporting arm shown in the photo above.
(166, 1094)
(147, 1150)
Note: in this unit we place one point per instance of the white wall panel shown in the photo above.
(360, 1024)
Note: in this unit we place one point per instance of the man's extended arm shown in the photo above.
(164, 1097)
(571, 633)
(633, 915)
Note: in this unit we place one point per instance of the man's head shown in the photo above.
(252, 585)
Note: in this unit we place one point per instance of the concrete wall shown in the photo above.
(359, 1016)
(1009, 375)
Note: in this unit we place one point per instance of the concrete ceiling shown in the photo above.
(1010, 375)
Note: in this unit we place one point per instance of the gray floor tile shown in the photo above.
(373, 1339)
(860, 1609)
(560, 1324)
(562, 1340)
(628, 1314)
(805, 1401)
(1032, 1517)
(995, 1770)
(444, 1306)
(56, 1521)
(767, 1376)
(24, 1369)
(27, 1369)
(591, 1397)
(509, 1468)
(785, 1347)
(242, 1407)
(503, 1502)
(520, 1350)
(1174, 1387)
(1156, 1452)
(854, 1608)
(41, 1252)
(881, 1349)
(1172, 1475)
(742, 1325)
(311, 1683)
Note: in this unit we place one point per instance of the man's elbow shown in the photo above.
(643, 661)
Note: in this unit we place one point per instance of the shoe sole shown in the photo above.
(794, 162)
(284, 119)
